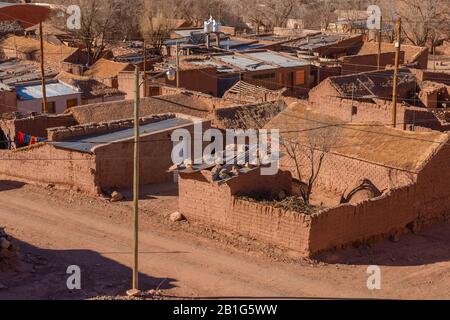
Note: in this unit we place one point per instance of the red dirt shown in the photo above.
(55, 229)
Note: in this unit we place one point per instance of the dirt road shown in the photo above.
(55, 229)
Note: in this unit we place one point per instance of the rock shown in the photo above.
(134, 293)
(4, 243)
(116, 196)
(176, 217)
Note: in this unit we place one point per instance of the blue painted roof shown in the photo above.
(86, 145)
(30, 92)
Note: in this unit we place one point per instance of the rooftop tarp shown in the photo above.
(27, 15)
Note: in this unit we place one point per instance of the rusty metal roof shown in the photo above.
(27, 15)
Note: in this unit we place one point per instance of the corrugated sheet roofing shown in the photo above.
(244, 63)
(86, 145)
(272, 57)
(31, 92)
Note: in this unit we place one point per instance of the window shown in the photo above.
(354, 111)
(72, 103)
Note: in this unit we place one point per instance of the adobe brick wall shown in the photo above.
(35, 126)
(202, 80)
(340, 174)
(114, 162)
(215, 205)
(8, 101)
(372, 219)
(213, 102)
(418, 205)
(368, 62)
(432, 186)
(413, 201)
(119, 110)
(326, 100)
(77, 131)
(43, 163)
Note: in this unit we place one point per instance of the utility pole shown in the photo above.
(44, 89)
(136, 183)
(178, 64)
(434, 55)
(397, 57)
(379, 44)
(353, 101)
(145, 69)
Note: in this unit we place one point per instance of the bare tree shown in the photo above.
(308, 150)
(424, 22)
(102, 22)
(155, 24)
(318, 14)
(267, 13)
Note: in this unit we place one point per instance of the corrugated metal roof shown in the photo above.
(86, 145)
(272, 57)
(244, 63)
(31, 92)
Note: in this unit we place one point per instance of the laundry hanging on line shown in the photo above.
(24, 139)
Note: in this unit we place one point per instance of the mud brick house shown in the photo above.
(215, 204)
(223, 113)
(367, 97)
(58, 57)
(98, 157)
(92, 91)
(243, 92)
(406, 167)
(176, 101)
(414, 56)
(107, 72)
(14, 72)
(325, 45)
(216, 73)
(60, 97)
(35, 125)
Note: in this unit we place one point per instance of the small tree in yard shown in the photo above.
(308, 149)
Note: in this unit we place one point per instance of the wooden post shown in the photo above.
(380, 36)
(397, 58)
(136, 183)
(44, 89)
(178, 64)
(145, 69)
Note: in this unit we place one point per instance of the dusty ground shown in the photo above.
(55, 229)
